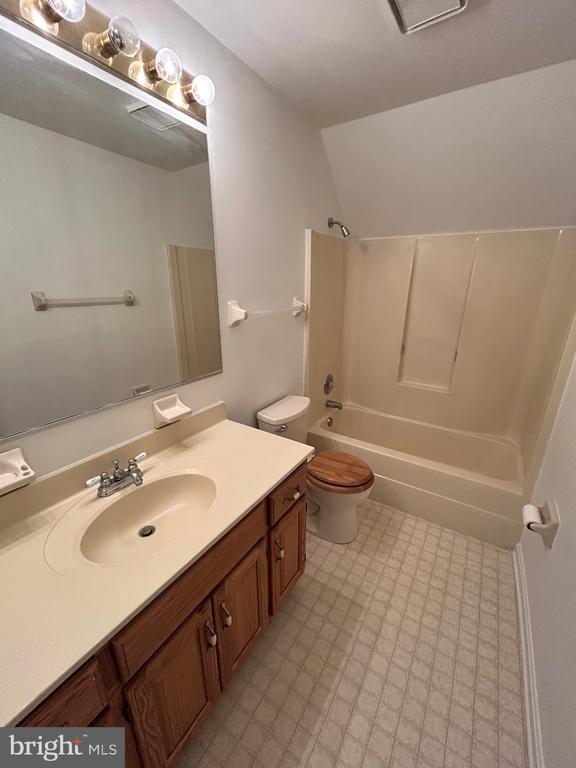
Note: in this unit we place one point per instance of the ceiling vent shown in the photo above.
(413, 15)
(157, 121)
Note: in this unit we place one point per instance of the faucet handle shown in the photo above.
(139, 457)
(133, 463)
(102, 480)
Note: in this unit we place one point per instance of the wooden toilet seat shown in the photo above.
(340, 473)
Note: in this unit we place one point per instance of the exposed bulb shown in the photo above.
(120, 37)
(166, 66)
(67, 10)
(202, 90)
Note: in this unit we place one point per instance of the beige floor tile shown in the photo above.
(399, 650)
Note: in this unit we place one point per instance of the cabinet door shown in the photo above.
(114, 717)
(287, 553)
(241, 609)
(175, 690)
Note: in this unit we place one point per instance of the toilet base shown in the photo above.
(332, 516)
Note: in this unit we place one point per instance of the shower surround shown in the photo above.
(449, 352)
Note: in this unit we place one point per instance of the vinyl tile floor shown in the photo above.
(398, 650)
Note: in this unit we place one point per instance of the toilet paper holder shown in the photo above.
(544, 519)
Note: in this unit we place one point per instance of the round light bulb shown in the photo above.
(203, 90)
(121, 37)
(69, 10)
(168, 66)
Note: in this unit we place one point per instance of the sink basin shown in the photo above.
(134, 524)
(144, 521)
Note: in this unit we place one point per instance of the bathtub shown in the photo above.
(472, 483)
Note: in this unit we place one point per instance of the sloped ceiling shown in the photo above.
(337, 60)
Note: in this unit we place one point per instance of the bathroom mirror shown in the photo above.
(108, 274)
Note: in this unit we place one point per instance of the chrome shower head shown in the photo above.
(343, 228)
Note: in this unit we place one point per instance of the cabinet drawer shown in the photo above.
(287, 494)
(137, 642)
(80, 699)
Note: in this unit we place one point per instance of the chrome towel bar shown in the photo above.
(41, 302)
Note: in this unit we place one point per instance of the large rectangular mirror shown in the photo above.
(107, 265)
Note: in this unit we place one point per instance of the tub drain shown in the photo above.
(146, 531)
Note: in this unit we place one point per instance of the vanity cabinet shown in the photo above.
(161, 674)
(176, 689)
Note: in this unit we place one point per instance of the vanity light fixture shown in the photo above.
(201, 91)
(121, 36)
(63, 10)
(165, 66)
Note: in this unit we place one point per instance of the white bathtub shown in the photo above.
(470, 482)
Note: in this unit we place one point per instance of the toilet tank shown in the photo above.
(288, 418)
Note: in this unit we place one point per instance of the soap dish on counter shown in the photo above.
(14, 471)
(169, 409)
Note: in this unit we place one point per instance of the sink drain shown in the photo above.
(146, 531)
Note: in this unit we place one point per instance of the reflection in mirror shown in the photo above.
(100, 196)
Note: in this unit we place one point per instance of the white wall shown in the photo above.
(496, 156)
(270, 180)
(551, 579)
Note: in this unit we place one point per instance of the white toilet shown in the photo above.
(337, 482)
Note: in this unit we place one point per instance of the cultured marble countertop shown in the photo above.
(51, 623)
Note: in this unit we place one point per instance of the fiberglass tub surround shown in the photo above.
(448, 354)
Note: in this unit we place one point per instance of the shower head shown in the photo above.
(343, 228)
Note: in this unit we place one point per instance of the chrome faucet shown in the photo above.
(334, 404)
(121, 478)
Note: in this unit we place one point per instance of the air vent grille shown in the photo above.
(157, 121)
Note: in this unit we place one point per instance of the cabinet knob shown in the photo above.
(211, 635)
(281, 553)
(227, 615)
(295, 496)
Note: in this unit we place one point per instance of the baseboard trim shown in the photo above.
(535, 753)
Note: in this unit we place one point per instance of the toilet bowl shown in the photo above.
(337, 482)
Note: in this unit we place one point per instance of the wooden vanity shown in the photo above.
(160, 676)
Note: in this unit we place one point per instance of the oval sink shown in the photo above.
(147, 519)
(134, 524)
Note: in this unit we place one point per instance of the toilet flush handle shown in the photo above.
(283, 428)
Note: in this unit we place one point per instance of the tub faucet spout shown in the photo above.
(334, 404)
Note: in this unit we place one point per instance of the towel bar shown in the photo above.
(41, 302)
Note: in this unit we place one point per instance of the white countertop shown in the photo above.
(51, 623)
